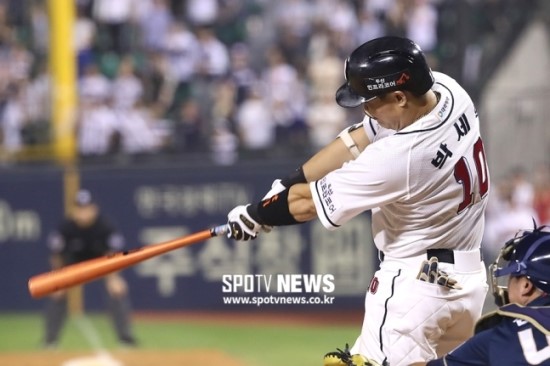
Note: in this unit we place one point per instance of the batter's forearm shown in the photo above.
(289, 207)
(300, 203)
(291, 202)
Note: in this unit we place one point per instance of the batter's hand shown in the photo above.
(241, 225)
(430, 272)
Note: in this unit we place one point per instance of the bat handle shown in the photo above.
(219, 230)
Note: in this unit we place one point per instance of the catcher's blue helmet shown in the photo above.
(383, 65)
(528, 254)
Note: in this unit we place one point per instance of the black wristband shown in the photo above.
(273, 211)
(293, 178)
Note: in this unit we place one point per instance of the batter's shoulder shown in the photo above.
(442, 77)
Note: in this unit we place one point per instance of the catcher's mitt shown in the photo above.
(345, 358)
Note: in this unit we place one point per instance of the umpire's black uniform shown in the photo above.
(86, 234)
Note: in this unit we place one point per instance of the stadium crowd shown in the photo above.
(231, 78)
(228, 79)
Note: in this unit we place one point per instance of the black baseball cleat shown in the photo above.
(50, 345)
(128, 342)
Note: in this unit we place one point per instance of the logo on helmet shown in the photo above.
(380, 84)
(403, 79)
(393, 81)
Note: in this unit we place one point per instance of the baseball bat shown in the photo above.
(79, 273)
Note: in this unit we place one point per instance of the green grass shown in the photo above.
(257, 344)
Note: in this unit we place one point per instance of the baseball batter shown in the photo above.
(417, 162)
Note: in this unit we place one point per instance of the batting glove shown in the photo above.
(430, 272)
(241, 225)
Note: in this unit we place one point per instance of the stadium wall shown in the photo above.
(150, 205)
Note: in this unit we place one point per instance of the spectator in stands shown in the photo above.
(39, 29)
(294, 16)
(38, 105)
(343, 22)
(212, 69)
(324, 71)
(6, 30)
(98, 130)
(213, 54)
(223, 144)
(504, 217)
(255, 126)
(223, 101)
(325, 120)
(370, 26)
(154, 23)
(523, 191)
(84, 36)
(181, 50)
(19, 62)
(93, 85)
(201, 13)
(114, 22)
(241, 72)
(189, 129)
(127, 88)
(136, 128)
(12, 120)
(284, 94)
(158, 88)
(232, 23)
(97, 125)
(421, 24)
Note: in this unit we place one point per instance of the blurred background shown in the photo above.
(173, 112)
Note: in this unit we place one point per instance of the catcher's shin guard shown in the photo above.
(344, 358)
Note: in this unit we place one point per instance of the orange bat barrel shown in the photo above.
(86, 271)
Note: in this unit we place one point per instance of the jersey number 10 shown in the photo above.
(463, 175)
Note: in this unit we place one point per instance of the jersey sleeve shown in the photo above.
(377, 177)
(374, 131)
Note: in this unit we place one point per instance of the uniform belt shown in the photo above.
(464, 261)
(442, 255)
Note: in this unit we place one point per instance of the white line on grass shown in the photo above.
(102, 357)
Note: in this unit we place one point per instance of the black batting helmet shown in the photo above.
(383, 65)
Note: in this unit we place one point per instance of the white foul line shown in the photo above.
(103, 357)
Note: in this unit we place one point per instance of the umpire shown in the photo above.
(83, 235)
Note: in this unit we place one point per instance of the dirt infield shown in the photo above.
(120, 358)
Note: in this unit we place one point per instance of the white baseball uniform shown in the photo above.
(427, 187)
